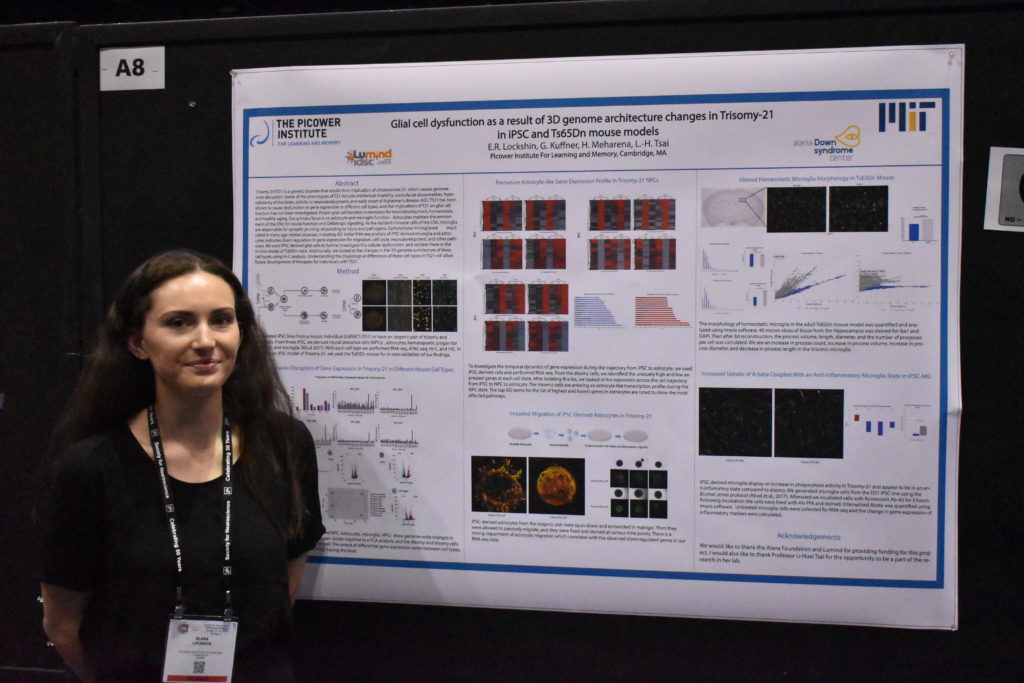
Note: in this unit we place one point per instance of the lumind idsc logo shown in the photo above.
(369, 158)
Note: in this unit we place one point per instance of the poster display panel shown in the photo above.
(670, 334)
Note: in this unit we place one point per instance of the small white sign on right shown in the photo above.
(1004, 199)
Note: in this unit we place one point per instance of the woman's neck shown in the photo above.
(190, 420)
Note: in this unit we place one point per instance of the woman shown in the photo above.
(180, 399)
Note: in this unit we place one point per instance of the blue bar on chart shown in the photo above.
(921, 231)
(591, 311)
(881, 426)
(757, 297)
(308, 405)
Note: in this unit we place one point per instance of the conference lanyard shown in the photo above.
(172, 518)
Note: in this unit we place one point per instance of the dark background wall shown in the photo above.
(95, 182)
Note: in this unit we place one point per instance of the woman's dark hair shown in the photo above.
(115, 385)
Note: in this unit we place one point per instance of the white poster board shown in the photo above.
(668, 334)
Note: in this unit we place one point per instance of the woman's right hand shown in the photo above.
(62, 618)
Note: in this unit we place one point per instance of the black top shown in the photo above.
(105, 532)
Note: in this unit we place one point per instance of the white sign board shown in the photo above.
(670, 334)
(1004, 198)
(133, 68)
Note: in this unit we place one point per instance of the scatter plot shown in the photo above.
(802, 279)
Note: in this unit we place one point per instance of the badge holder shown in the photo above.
(200, 649)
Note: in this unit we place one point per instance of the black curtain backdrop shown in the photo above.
(95, 182)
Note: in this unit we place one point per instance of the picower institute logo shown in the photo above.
(904, 117)
(257, 140)
(368, 158)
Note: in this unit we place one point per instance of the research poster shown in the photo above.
(670, 334)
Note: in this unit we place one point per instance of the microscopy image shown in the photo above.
(375, 292)
(730, 207)
(399, 318)
(796, 209)
(504, 215)
(610, 254)
(502, 254)
(446, 319)
(809, 423)
(556, 486)
(375, 318)
(654, 214)
(619, 478)
(545, 254)
(654, 254)
(399, 292)
(400, 315)
(638, 479)
(421, 292)
(859, 208)
(545, 214)
(422, 320)
(639, 492)
(505, 299)
(735, 422)
(609, 214)
(549, 335)
(504, 335)
(498, 484)
(549, 299)
(445, 293)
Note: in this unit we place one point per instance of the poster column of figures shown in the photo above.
(657, 334)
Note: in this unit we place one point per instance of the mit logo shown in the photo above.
(903, 116)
